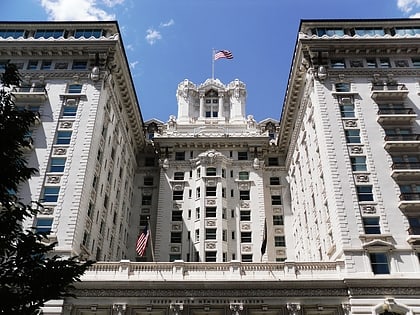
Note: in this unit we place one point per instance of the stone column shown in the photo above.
(221, 114)
(201, 105)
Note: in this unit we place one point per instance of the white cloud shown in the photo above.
(167, 24)
(152, 36)
(408, 5)
(80, 10)
(133, 64)
(112, 3)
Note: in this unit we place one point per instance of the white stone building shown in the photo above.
(334, 186)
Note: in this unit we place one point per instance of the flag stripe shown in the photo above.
(142, 241)
(223, 54)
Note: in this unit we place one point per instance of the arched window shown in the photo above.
(211, 104)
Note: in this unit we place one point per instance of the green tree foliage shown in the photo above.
(30, 273)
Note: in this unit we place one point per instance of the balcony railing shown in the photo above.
(36, 93)
(396, 114)
(382, 91)
(406, 137)
(411, 196)
(406, 166)
(396, 111)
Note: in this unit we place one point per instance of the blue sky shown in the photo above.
(168, 41)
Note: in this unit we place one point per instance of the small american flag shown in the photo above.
(223, 54)
(142, 241)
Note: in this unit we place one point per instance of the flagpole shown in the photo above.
(212, 64)
(151, 240)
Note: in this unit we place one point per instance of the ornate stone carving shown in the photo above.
(210, 222)
(60, 151)
(46, 210)
(351, 123)
(176, 226)
(246, 226)
(53, 179)
(210, 245)
(243, 186)
(177, 308)
(362, 178)
(236, 308)
(119, 309)
(244, 204)
(356, 149)
(368, 209)
(210, 202)
(175, 249)
(293, 308)
(246, 248)
(66, 124)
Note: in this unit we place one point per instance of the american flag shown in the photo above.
(142, 241)
(223, 54)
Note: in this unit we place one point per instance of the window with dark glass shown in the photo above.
(211, 256)
(75, 88)
(211, 234)
(177, 195)
(43, 225)
(371, 225)
(244, 195)
(273, 161)
(338, 64)
(211, 191)
(342, 87)
(210, 171)
(364, 193)
(49, 33)
(12, 33)
(347, 110)
(149, 161)
(32, 65)
(180, 156)
(211, 212)
(371, 63)
(79, 65)
(176, 237)
(86, 33)
(69, 111)
(176, 215)
(243, 175)
(146, 200)
(63, 137)
(278, 219)
(246, 258)
(379, 263)
(46, 65)
(275, 181)
(242, 155)
(50, 194)
(276, 200)
(352, 135)
(148, 181)
(57, 165)
(245, 215)
(358, 163)
(279, 241)
(179, 176)
(246, 237)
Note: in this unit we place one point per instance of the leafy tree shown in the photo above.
(30, 273)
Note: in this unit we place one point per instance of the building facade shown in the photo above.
(317, 213)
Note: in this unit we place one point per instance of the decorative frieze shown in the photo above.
(60, 151)
(53, 179)
(356, 149)
(246, 248)
(368, 209)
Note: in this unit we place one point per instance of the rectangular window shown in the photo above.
(179, 176)
(243, 175)
(210, 171)
(244, 195)
(224, 235)
(352, 135)
(278, 219)
(211, 191)
(246, 237)
(211, 212)
(379, 263)
(369, 31)
(342, 87)
(273, 161)
(245, 215)
(144, 219)
(246, 258)
(371, 225)
(173, 257)
(414, 225)
(63, 137)
(87, 33)
(242, 156)
(329, 32)
(276, 200)
(416, 62)
(211, 256)
(176, 237)
(12, 33)
(371, 63)
(51, 194)
(347, 110)
(358, 163)
(197, 235)
(43, 225)
(32, 65)
(279, 241)
(46, 65)
(146, 200)
(338, 64)
(79, 65)
(69, 111)
(197, 213)
(48, 33)
(75, 88)
(178, 195)
(57, 165)
(210, 234)
(148, 181)
(149, 161)
(180, 156)
(275, 181)
(176, 215)
(364, 193)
